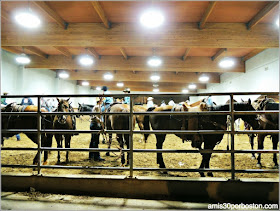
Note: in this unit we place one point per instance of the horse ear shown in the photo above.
(185, 107)
(249, 101)
(79, 104)
(57, 99)
(242, 100)
(68, 99)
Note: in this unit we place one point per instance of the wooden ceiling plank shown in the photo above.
(5, 15)
(194, 64)
(51, 13)
(186, 54)
(93, 52)
(101, 13)
(251, 54)
(216, 35)
(261, 14)
(63, 50)
(123, 53)
(36, 51)
(11, 49)
(218, 54)
(206, 14)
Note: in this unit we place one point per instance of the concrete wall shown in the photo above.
(261, 75)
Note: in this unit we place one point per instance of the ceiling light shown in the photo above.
(85, 83)
(226, 63)
(120, 84)
(155, 77)
(185, 91)
(277, 22)
(98, 88)
(23, 59)
(63, 75)
(151, 18)
(108, 76)
(28, 19)
(203, 78)
(154, 61)
(155, 90)
(192, 86)
(86, 60)
(155, 85)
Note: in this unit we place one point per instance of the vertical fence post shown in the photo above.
(232, 137)
(39, 133)
(131, 137)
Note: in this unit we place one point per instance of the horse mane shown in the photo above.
(219, 108)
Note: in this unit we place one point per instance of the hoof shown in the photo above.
(107, 153)
(253, 158)
(276, 167)
(259, 165)
(210, 174)
(45, 163)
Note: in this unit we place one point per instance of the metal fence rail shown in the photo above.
(131, 169)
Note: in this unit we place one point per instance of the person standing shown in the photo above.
(3, 99)
(171, 102)
(150, 102)
(26, 101)
(126, 98)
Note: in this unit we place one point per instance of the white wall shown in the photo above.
(261, 75)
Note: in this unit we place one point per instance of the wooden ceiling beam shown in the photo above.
(218, 54)
(206, 14)
(64, 51)
(186, 54)
(216, 35)
(194, 64)
(93, 52)
(141, 76)
(11, 49)
(101, 13)
(261, 14)
(36, 51)
(123, 53)
(252, 54)
(136, 84)
(51, 13)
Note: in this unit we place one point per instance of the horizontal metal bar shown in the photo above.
(140, 150)
(146, 94)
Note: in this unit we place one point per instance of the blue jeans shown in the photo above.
(18, 137)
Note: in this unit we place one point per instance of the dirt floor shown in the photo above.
(172, 160)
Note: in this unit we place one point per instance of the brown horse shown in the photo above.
(64, 122)
(27, 122)
(140, 119)
(121, 122)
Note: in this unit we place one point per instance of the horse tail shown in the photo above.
(147, 122)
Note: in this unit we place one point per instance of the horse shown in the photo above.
(28, 122)
(140, 119)
(163, 122)
(268, 122)
(84, 108)
(64, 122)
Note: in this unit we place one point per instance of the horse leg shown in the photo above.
(120, 140)
(126, 139)
(58, 138)
(67, 145)
(275, 143)
(160, 140)
(109, 144)
(251, 139)
(260, 146)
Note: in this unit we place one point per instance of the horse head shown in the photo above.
(63, 106)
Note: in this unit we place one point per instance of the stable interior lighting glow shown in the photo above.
(192, 86)
(23, 59)
(120, 84)
(226, 63)
(86, 60)
(63, 75)
(98, 88)
(85, 83)
(152, 18)
(155, 85)
(27, 19)
(203, 78)
(155, 77)
(185, 91)
(277, 22)
(154, 61)
(108, 76)
(156, 90)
